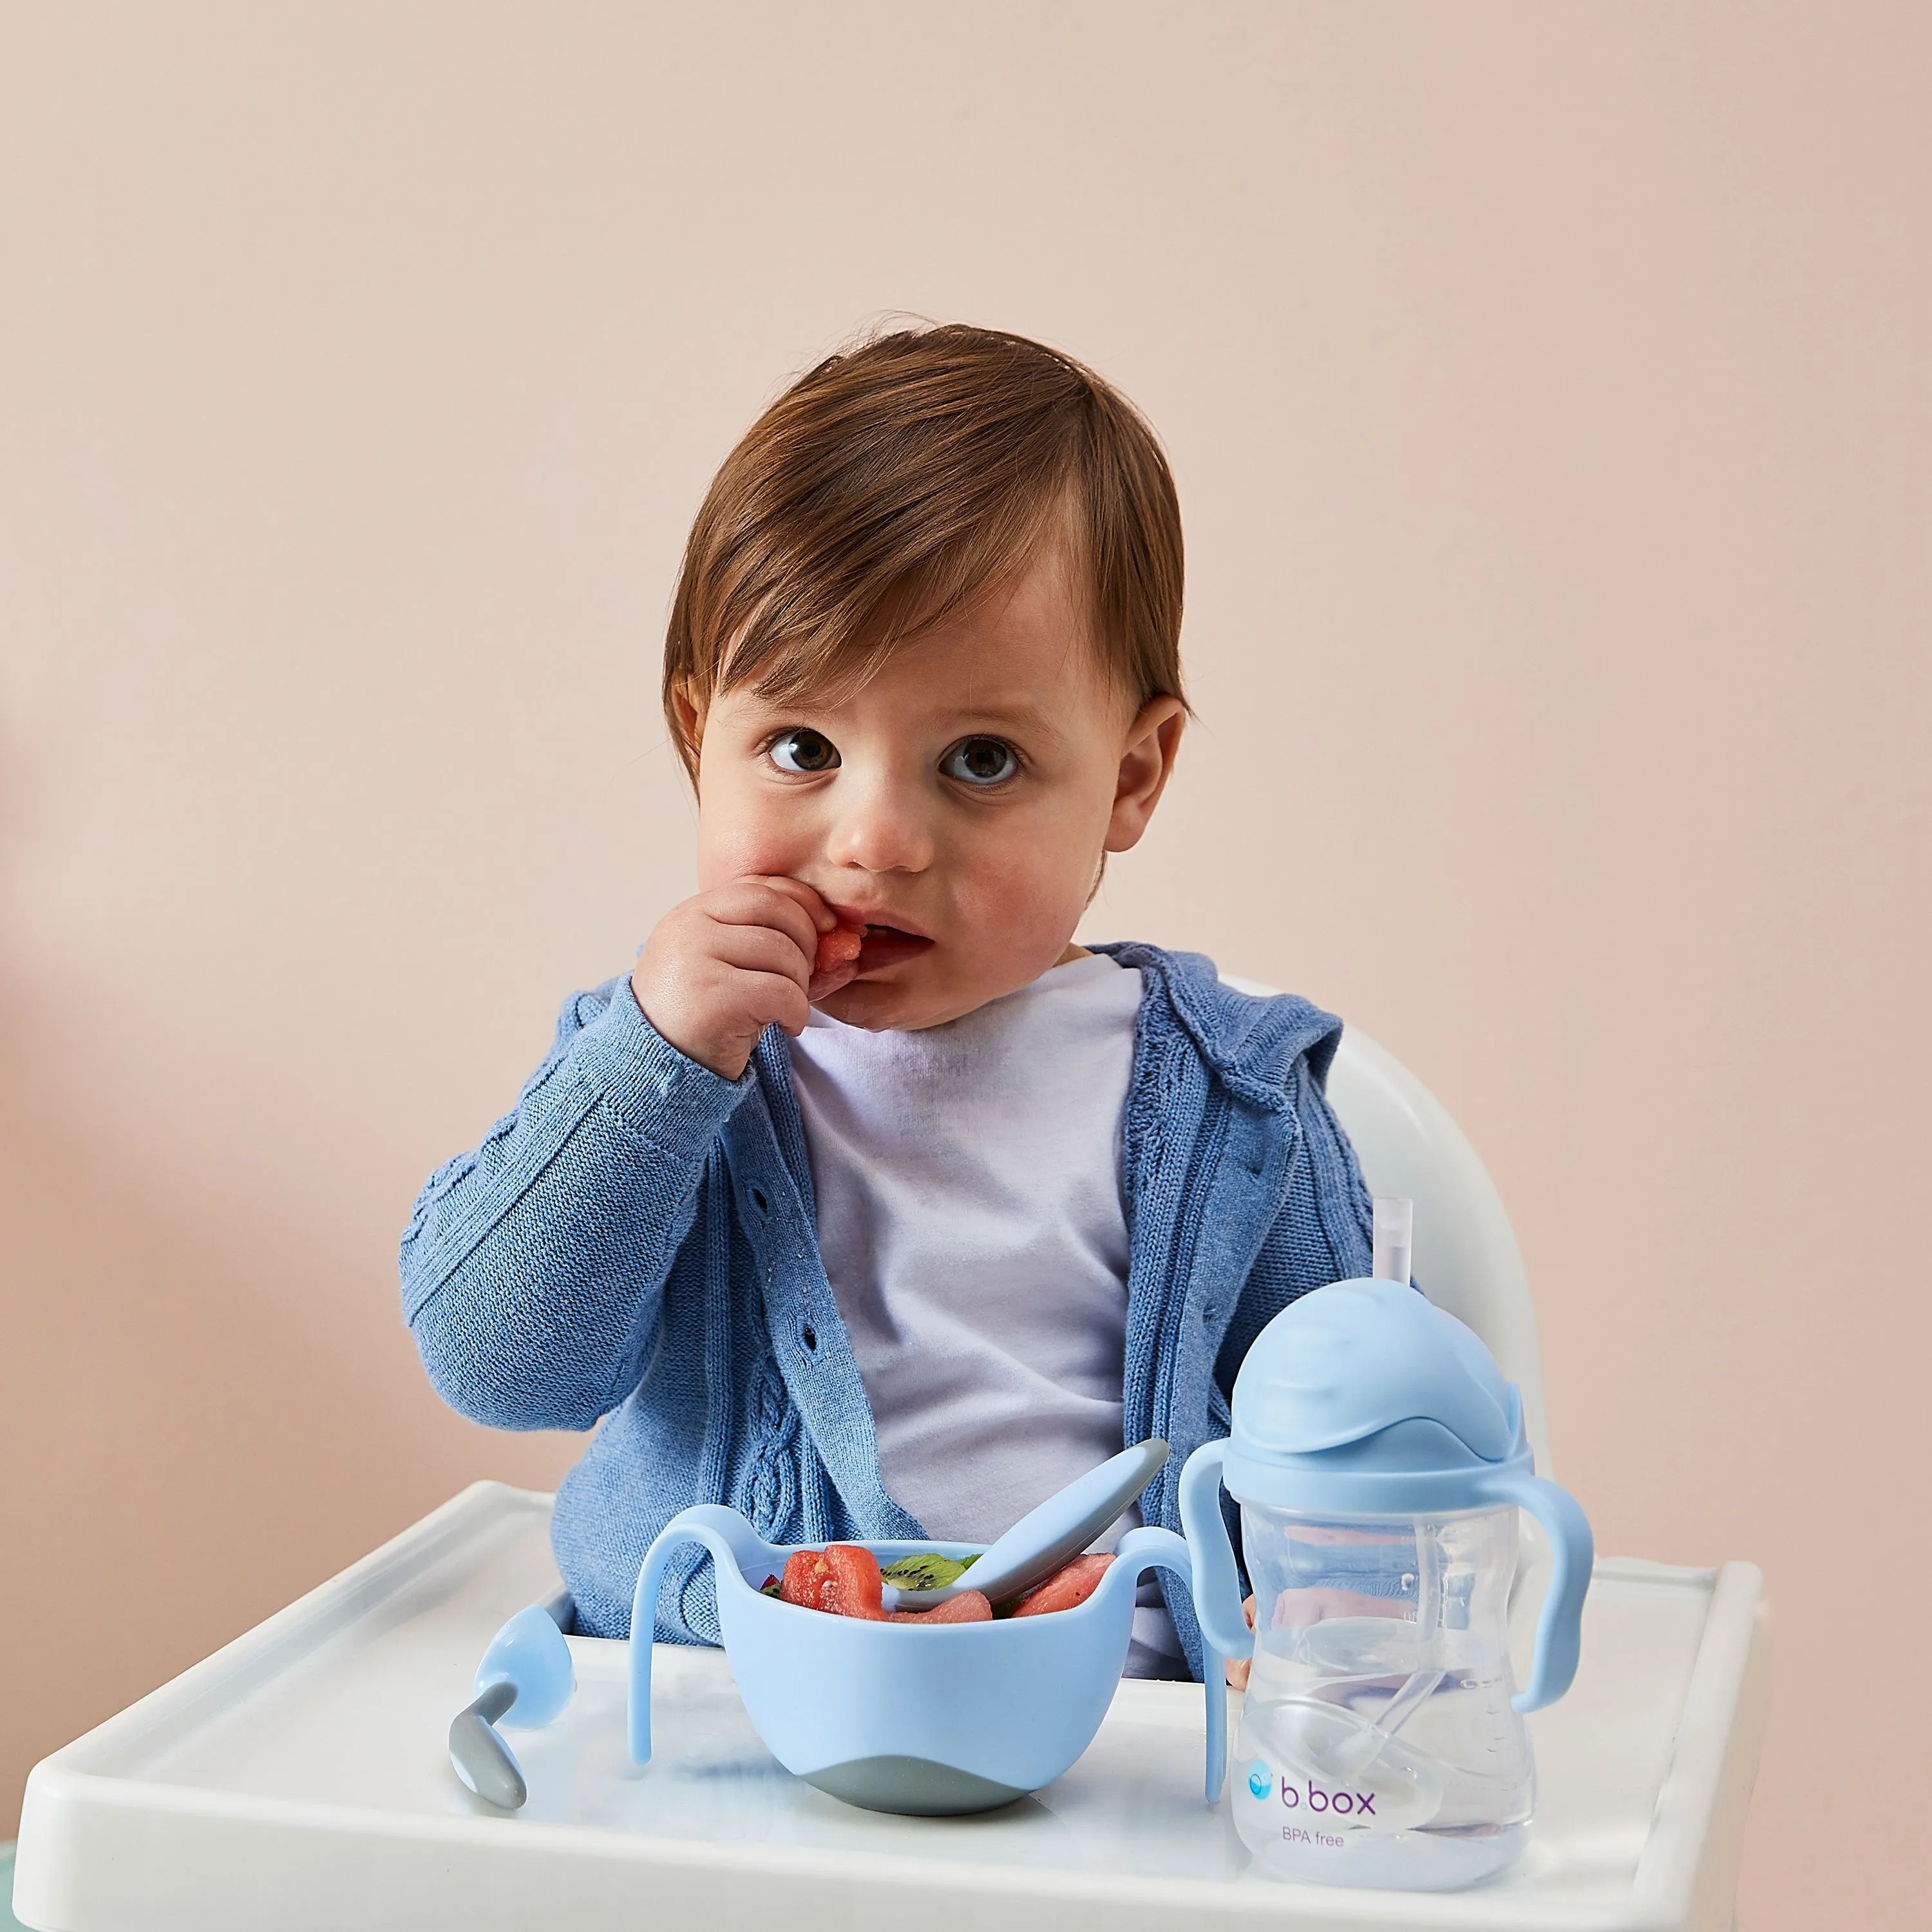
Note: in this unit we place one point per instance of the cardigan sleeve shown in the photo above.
(533, 1267)
(1322, 1231)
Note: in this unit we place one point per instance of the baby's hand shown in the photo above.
(1238, 1667)
(722, 967)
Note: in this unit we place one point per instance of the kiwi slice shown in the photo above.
(929, 1570)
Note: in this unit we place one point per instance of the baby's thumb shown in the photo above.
(823, 986)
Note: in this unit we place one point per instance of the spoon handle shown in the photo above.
(477, 1753)
(1060, 1528)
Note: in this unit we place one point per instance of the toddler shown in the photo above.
(868, 1203)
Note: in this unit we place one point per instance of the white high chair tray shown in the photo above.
(300, 1779)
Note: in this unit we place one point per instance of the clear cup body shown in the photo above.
(1377, 1744)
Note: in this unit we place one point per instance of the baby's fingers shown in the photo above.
(1238, 1667)
(822, 918)
(758, 903)
(777, 1000)
(762, 949)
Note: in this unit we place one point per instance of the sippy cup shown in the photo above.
(1379, 1459)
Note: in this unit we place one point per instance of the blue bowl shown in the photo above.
(930, 1721)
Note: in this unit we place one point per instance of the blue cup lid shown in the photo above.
(1361, 1398)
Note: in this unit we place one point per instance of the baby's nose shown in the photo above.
(880, 830)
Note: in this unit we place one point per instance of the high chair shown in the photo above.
(1407, 1145)
(299, 1777)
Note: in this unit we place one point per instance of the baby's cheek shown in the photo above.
(725, 854)
(1025, 911)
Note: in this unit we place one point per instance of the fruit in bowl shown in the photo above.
(845, 1579)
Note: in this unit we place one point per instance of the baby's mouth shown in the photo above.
(885, 946)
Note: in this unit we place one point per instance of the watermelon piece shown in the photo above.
(837, 949)
(842, 1579)
(803, 1582)
(1069, 1586)
(970, 1606)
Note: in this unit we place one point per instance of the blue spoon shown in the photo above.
(1053, 1534)
(525, 1678)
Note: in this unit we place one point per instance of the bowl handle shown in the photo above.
(1147, 1549)
(735, 1547)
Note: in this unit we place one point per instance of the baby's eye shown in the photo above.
(981, 761)
(805, 751)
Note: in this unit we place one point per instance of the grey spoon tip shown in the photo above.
(479, 1756)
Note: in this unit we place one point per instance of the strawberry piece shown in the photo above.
(970, 1606)
(1068, 1587)
(838, 948)
(842, 1579)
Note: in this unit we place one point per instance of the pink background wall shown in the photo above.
(1549, 391)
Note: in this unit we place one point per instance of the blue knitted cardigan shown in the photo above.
(635, 1242)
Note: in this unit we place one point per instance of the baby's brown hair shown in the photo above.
(899, 481)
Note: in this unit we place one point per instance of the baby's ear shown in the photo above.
(1146, 763)
(687, 724)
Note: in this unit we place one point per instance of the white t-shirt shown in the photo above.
(973, 1231)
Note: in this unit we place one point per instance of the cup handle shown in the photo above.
(733, 1544)
(1217, 1584)
(1148, 1548)
(1559, 1632)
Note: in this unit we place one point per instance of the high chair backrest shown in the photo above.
(1466, 1258)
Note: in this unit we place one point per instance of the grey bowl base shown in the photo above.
(914, 1787)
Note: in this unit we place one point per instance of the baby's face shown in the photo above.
(957, 807)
